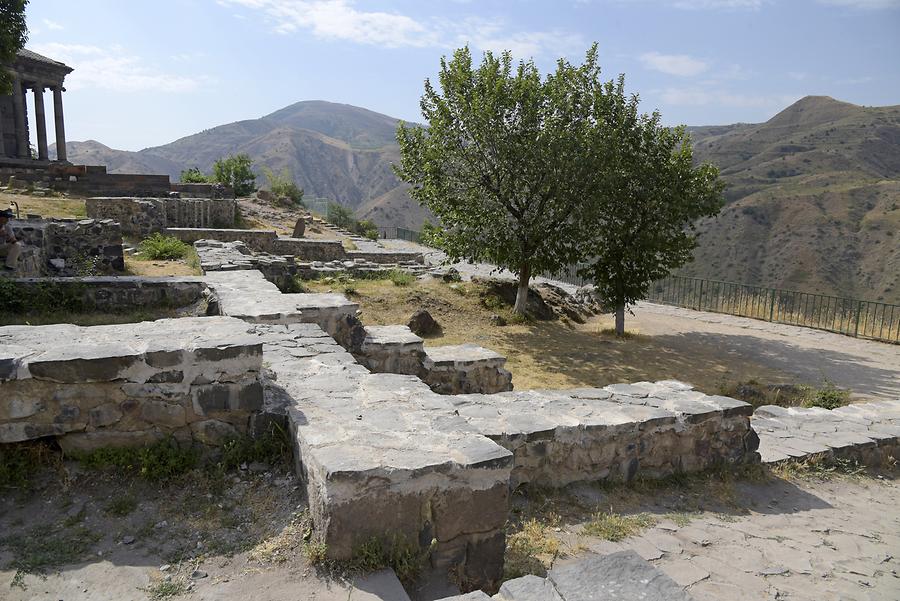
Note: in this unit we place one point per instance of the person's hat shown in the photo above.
(7, 213)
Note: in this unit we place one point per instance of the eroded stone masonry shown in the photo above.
(392, 438)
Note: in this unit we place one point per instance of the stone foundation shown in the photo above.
(69, 247)
(114, 293)
(465, 368)
(195, 379)
(236, 256)
(144, 216)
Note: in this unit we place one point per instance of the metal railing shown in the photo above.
(398, 233)
(853, 317)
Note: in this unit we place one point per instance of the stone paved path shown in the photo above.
(806, 541)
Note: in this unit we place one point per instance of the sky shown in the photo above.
(149, 72)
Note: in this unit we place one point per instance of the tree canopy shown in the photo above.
(642, 203)
(13, 35)
(234, 170)
(533, 174)
(500, 160)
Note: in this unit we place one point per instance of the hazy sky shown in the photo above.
(149, 72)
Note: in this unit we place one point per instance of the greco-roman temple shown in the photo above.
(33, 73)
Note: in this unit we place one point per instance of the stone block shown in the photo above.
(104, 415)
(213, 432)
(164, 414)
(622, 576)
(85, 442)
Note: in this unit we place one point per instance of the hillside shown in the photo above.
(812, 193)
(813, 201)
(333, 151)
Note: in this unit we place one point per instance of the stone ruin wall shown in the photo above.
(113, 293)
(143, 216)
(69, 247)
(195, 379)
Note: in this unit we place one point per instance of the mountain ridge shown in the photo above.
(810, 201)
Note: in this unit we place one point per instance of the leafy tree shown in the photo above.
(501, 160)
(642, 203)
(340, 216)
(366, 228)
(235, 171)
(13, 35)
(194, 176)
(282, 185)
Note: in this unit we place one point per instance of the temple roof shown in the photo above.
(30, 55)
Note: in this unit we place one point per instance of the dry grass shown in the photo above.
(531, 549)
(550, 354)
(54, 206)
(616, 527)
(137, 265)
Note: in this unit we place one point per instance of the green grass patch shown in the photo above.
(159, 247)
(273, 447)
(398, 277)
(157, 462)
(406, 559)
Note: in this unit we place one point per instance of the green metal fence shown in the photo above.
(853, 317)
(398, 232)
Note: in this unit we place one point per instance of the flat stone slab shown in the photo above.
(867, 432)
(394, 335)
(622, 576)
(461, 354)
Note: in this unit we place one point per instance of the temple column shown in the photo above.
(2, 141)
(40, 122)
(59, 124)
(18, 94)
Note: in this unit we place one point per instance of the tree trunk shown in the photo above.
(522, 292)
(620, 320)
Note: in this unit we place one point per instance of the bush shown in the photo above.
(272, 447)
(161, 461)
(235, 171)
(340, 216)
(400, 277)
(47, 297)
(194, 176)
(167, 248)
(366, 228)
(828, 397)
(283, 186)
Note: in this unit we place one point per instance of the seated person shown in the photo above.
(9, 246)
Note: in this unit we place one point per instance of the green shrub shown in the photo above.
(20, 461)
(340, 216)
(167, 248)
(828, 397)
(366, 228)
(235, 171)
(46, 297)
(400, 277)
(160, 461)
(194, 176)
(272, 447)
(405, 559)
(282, 185)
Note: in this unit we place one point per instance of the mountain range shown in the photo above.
(813, 194)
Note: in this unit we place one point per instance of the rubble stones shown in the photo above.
(423, 324)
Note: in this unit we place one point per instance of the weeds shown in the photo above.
(46, 547)
(398, 277)
(405, 559)
(818, 467)
(158, 462)
(164, 589)
(616, 527)
(272, 447)
(531, 550)
(828, 397)
(167, 248)
(20, 461)
(121, 505)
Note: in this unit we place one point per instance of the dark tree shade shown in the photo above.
(13, 35)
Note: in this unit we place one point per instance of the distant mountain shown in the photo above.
(813, 201)
(334, 151)
(813, 198)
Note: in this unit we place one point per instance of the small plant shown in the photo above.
(158, 462)
(316, 552)
(20, 461)
(295, 285)
(46, 547)
(401, 278)
(122, 505)
(165, 589)
(616, 527)
(405, 559)
(828, 397)
(272, 447)
(167, 248)
(530, 550)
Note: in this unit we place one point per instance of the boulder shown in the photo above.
(423, 324)
(299, 228)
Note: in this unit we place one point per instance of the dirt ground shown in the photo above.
(799, 534)
(713, 352)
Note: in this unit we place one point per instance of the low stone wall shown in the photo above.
(310, 250)
(143, 216)
(202, 190)
(868, 433)
(563, 436)
(235, 256)
(196, 379)
(392, 350)
(69, 247)
(355, 268)
(114, 293)
(400, 257)
(256, 240)
(465, 368)
(90, 180)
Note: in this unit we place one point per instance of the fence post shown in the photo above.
(772, 306)
(700, 297)
(858, 311)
